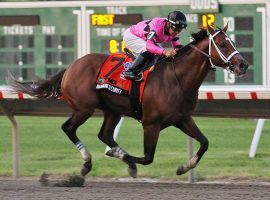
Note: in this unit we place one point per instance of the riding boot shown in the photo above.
(134, 71)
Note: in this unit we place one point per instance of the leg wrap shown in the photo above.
(84, 152)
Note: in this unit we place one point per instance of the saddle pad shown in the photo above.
(110, 76)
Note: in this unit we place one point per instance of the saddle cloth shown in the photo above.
(110, 76)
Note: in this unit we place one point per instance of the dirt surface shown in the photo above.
(30, 188)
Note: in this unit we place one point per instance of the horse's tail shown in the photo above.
(44, 88)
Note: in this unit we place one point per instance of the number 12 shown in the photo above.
(208, 19)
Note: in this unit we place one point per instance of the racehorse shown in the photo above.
(170, 96)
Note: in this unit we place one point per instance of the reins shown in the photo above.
(205, 54)
(199, 50)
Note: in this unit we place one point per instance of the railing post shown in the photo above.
(15, 144)
(256, 138)
(191, 174)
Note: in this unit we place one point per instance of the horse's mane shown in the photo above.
(196, 38)
(199, 35)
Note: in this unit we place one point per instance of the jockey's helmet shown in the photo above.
(177, 20)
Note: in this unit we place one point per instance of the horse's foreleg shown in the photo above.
(190, 128)
(118, 152)
(70, 127)
(106, 135)
(151, 135)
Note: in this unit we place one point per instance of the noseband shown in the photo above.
(226, 60)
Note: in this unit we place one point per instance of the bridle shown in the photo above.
(226, 60)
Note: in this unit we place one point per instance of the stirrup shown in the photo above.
(133, 77)
(139, 77)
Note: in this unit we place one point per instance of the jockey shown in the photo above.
(143, 39)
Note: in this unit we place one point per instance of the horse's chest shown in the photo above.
(180, 103)
(179, 110)
(184, 108)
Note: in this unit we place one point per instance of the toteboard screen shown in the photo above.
(44, 40)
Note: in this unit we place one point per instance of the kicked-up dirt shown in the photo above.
(127, 188)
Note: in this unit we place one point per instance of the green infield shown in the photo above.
(45, 148)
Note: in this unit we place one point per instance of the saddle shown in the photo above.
(110, 79)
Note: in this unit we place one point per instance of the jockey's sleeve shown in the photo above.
(151, 45)
(153, 48)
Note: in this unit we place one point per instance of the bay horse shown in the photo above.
(170, 96)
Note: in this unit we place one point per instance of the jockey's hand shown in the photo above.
(170, 53)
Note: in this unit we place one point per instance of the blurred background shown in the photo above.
(39, 38)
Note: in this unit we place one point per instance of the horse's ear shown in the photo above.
(225, 28)
(211, 29)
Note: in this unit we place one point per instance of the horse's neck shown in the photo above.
(193, 68)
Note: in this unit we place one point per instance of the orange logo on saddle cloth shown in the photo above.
(110, 76)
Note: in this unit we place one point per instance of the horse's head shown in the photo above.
(223, 52)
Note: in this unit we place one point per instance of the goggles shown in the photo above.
(176, 27)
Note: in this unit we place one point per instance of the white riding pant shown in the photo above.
(134, 43)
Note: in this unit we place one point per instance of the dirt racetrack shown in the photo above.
(99, 189)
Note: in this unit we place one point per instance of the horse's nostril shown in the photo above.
(243, 66)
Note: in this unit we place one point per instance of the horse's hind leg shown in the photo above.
(190, 128)
(107, 129)
(70, 127)
(106, 135)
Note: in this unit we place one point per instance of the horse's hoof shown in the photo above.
(110, 153)
(86, 168)
(133, 171)
(181, 170)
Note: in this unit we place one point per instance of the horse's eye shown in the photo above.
(223, 45)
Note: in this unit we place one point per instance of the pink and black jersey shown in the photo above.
(153, 31)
